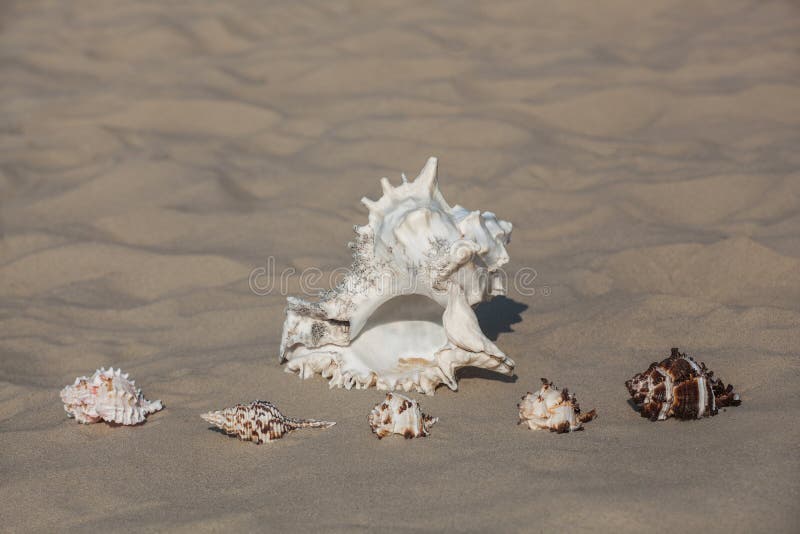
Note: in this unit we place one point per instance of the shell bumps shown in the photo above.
(259, 421)
(679, 387)
(108, 396)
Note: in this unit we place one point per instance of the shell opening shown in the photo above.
(404, 333)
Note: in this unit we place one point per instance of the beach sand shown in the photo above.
(154, 154)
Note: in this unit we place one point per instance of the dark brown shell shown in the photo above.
(679, 387)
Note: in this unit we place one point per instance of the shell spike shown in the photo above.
(386, 186)
(427, 176)
(371, 205)
(403, 177)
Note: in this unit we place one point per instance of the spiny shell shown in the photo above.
(109, 396)
(402, 317)
(259, 421)
(398, 414)
(679, 387)
(552, 409)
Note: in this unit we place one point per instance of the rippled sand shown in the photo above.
(151, 157)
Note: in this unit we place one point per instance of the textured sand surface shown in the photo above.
(152, 154)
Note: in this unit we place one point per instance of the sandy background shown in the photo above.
(151, 157)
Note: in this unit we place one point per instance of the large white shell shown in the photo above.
(109, 396)
(259, 421)
(552, 409)
(383, 326)
(398, 414)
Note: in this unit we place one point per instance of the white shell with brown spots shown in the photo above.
(259, 421)
(552, 409)
(398, 414)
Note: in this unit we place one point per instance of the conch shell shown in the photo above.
(398, 414)
(679, 387)
(259, 421)
(552, 409)
(383, 326)
(109, 396)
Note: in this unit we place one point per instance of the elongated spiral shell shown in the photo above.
(679, 387)
(107, 396)
(552, 409)
(398, 414)
(259, 421)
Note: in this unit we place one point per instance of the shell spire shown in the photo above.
(259, 421)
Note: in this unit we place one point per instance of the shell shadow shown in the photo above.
(220, 431)
(486, 374)
(497, 315)
(635, 407)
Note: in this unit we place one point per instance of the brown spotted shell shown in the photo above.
(398, 414)
(259, 421)
(679, 387)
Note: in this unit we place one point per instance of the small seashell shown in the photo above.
(679, 387)
(552, 409)
(108, 395)
(398, 414)
(259, 421)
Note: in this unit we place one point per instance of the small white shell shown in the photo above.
(552, 409)
(109, 396)
(398, 414)
(259, 421)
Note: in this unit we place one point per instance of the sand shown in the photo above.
(153, 154)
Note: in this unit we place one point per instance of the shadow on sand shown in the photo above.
(497, 315)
